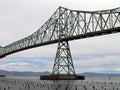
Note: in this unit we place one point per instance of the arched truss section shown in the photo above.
(70, 25)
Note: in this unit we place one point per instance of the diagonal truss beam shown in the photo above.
(71, 24)
(63, 61)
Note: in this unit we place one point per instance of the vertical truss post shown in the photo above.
(63, 61)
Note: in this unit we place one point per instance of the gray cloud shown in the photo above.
(36, 65)
(109, 63)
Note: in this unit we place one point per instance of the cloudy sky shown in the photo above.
(20, 18)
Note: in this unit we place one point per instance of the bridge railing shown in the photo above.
(66, 24)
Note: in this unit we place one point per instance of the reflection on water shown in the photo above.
(91, 83)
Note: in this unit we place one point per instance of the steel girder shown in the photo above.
(72, 24)
(63, 61)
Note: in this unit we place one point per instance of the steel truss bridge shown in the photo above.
(65, 25)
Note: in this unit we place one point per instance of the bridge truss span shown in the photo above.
(65, 25)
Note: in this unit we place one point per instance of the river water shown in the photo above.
(33, 83)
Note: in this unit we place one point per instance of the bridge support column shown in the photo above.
(63, 63)
(63, 68)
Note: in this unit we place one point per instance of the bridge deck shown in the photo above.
(82, 36)
(66, 25)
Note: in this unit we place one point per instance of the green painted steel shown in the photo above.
(71, 24)
(65, 25)
(63, 61)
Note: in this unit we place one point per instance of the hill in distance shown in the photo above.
(25, 73)
(92, 74)
(29, 73)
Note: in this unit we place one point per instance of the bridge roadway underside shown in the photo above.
(81, 36)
